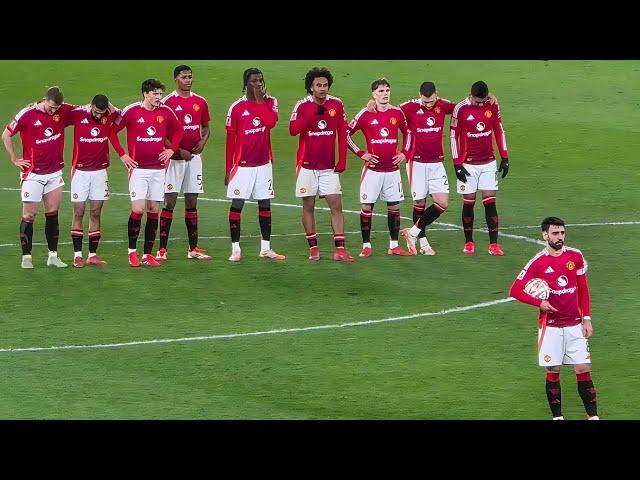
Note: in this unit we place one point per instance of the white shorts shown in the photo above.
(146, 184)
(482, 177)
(93, 185)
(34, 186)
(183, 176)
(251, 183)
(386, 185)
(562, 346)
(427, 179)
(310, 183)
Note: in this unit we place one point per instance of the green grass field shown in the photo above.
(573, 135)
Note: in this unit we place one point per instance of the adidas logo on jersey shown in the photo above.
(374, 122)
(549, 269)
(84, 120)
(37, 124)
(178, 108)
(420, 112)
(141, 120)
(471, 117)
(245, 113)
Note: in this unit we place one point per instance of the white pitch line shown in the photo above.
(255, 334)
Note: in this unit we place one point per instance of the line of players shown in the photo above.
(166, 137)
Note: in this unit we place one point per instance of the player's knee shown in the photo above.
(237, 204)
(441, 205)
(367, 207)
(29, 217)
(95, 212)
(393, 205)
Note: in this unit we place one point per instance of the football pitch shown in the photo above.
(382, 338)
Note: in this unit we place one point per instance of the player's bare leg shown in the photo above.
(587, 390)
(337, 224)
(366, 214)
(77, 233)
(309, 225)
(29, 211)
(166, 217)
(51, 202)
(95, 212)
(491, 215)
(469, 200)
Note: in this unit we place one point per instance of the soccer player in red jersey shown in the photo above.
(248, 159)
(148, 123)
(565, 318)
(473, 124)
(92, 124)
(382, 158)
(319, 120)
(185, 170)
(41, 127)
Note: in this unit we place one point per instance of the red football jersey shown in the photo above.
(318, 133)
(192, 111)
(249, 125)
(561, 273)
(42, 137)
(146, 131)
(90, 139)
(471, 131)
(381, 131)
(427, 126)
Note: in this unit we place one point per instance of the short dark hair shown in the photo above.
(247, 73)
(100, 101)
(181, 68)
(152, 84)
(479, 89)
(378, 82)
(317, 72)
(547, 222)
(55, 94)
(427, 89)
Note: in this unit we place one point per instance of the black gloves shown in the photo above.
(462, 173)
(321, 109)
(504, 167)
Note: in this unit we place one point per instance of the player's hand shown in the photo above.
(371, 158)
(226, 179)
(371, 106)
(166, 154)
(399, 158)
(504, 167)
(185, 154)
(462, 173)
(321, 109)
(338, 169)
(587, 328)
(128, 161)
(492, 99)
(197, 150)
(21, 163)
(545, 306)
(260, 93)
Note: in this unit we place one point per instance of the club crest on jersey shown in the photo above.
(488, 114)
(570, 265)
(75, 196)
(160, 118)
(437, 109)
(236, 192)
(393, 120)
(169, 186)
(133, 194)
(103, 120)
(26, 194)
(332, 113)
(547, 358)
(196, 107)
(364, 196)
(56, 118)
(303, 190)
(462, 187)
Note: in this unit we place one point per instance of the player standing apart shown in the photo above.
(565, 318)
